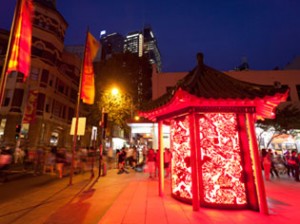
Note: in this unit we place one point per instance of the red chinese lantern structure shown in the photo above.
(215, 159)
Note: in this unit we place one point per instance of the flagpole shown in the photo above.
(8, 51)
(77, 114)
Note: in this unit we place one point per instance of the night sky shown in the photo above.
(266, 32)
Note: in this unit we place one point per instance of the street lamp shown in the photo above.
(115, 91)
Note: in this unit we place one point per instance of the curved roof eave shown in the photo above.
(182, 101)
(205, 86)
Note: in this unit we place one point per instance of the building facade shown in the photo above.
(111, 44)
(54, 77)
(144, 43)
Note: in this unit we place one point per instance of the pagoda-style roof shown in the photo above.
(207, 87)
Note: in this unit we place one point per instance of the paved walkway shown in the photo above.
(128, 199)
(140, 203)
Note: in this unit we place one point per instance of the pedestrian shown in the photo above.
(294, 163)
(134, 157)
(273, 170)
(26, 161)
(150, 160)
(266, 163)
(60, 162)
(167, 162)
(18, 155)
(129, 157)
(83, 159)
(39, 160)
(289, 169)
(110, 158)
(121, 161)
(5, 162)
(157, 162)
(49, 163)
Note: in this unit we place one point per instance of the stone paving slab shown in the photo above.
(128, 199)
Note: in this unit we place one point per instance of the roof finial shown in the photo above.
(200, 59)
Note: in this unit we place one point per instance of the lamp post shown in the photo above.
(103, 126)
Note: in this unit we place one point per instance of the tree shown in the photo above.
(132, 75)
(118, 106)
(286, 120)
(127, 71)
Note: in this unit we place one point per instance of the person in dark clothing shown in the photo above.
(294, 162)
(273, 168)
(121, 161)
(289, 170)
(5, 161)
(60, 162)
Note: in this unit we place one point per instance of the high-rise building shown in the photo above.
(144, 43)
(134, 43)
(111, 44)
(150, 47)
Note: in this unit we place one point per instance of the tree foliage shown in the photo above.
(129, 72)
(286, 120)
(132, 76)
(119, 107)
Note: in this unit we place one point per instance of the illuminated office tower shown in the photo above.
(111, 44)
(144, 43)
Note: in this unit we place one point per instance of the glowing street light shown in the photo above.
(115, 91)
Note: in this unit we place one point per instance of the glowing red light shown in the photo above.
(221, 159)
(181, 168)
(222, 181)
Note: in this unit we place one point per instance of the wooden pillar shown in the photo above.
(260, 187)
(194, 162)
(161, 159)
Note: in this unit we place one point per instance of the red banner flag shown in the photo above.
(19, 59)
(88, 83)
(30, 109)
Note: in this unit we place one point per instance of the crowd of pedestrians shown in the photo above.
(57, 161)
(143, 160)
(45, 160)
(274, 164)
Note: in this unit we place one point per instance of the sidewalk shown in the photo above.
(127, 199)
(140, 203)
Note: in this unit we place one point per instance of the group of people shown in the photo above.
(41, 160)
(153, 160)
(147, 161)
(275, 164)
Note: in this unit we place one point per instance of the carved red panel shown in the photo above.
(181, 167)
(221, 159)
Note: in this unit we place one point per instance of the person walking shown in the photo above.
(167, 162)
(294, 163)
(151, 162)
(287, 157)
(60, 161)
(49, 163)
(39, 160)
(273, 170)
(266, 163)
(110, 158)
(121, 161)
(5, 162)
(157, 162)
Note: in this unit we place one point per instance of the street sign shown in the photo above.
(81, 126)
